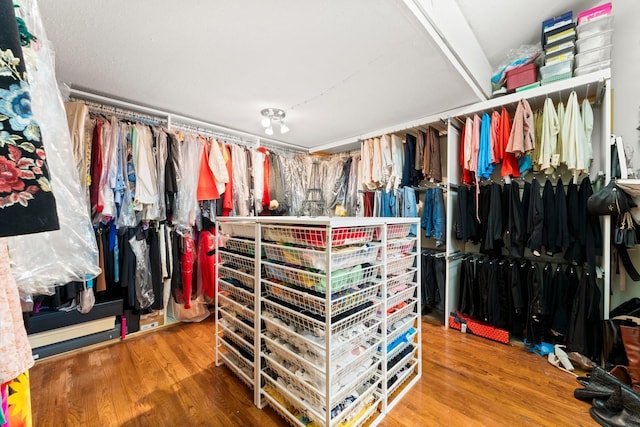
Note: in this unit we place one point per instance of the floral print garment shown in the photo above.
(27, 204)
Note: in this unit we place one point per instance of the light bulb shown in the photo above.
(266, 122)
(269, 131)
(283, 127)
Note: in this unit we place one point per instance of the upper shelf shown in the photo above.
(589, 86)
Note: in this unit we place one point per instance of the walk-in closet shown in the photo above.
(339, 214)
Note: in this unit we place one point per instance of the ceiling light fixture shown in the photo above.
(271, 116)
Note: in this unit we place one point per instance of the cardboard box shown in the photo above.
(151, 320)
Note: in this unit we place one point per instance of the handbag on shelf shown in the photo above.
(608, 201)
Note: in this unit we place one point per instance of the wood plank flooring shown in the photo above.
(169, 378)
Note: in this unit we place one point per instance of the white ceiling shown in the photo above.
(339, 68)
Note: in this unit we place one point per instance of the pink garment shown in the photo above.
(14, 345)
(475, 143)
(522, 137)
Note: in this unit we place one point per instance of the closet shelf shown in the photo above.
(630, 186)
(589, 86)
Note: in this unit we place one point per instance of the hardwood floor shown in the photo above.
(169, 378)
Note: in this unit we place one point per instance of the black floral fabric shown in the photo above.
(27, 203)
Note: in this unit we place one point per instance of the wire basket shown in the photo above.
(361, 406)
(406, 341)
(317, 259)
(232, 306)
(367, 380)
(402, 312)
(297, 359)
(241, 246)
(395, 231)
(233, 347)
(315, 353)
(342, 302)
(401, 296)
(236, 325)
(399, 247)
(280, 404)
(292, 399)
(239, 340)
(239, 229)
(355, 277)
(238, 366)
(398, 367)
(360, 317)
(230, 275)
(295, 319)
(341, 375)
(296, 385)
(237, 294)
(401, 280)
(317, 236)
(238, 262)
(355, 338)
(401, 265)
(402, 378)
(408, 323)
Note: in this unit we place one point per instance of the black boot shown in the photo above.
(622, 409)
(601, 386)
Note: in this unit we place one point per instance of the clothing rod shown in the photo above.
(175, 119)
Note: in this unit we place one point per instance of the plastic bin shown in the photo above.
(595, 41)
(595, 26)
(593, 56)
(556, 69)
(592, 67)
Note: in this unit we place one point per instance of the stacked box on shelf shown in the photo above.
(321, 295)
(558, 41)
(400, 314)
(595, 39)
(237, 338)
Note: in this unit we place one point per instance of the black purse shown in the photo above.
(608, 201)
(625, 232)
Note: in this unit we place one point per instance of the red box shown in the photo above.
(521, 76)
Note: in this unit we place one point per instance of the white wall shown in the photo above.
(625, 77)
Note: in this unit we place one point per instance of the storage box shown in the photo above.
(521, 76)
(591, 68)
(594, 13)
(151, 320)
(594, 55)
(556, 70)
(604, 38)
(595, 26)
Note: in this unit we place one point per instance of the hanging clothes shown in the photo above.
(585, 331)
(207, 188)
(550, 222)
(241, 180)
(227, 201)
(522, 137)
(494, 136)
(465, 148)
(549, 138)
(509, 160)
(587, 123)
(560, 144)
(562, 237)
(535, 219)
(575, 146)
(485, 166)
(410, 176)
(397, 156)
(218, 165)
(432, 168)
(514, 233)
